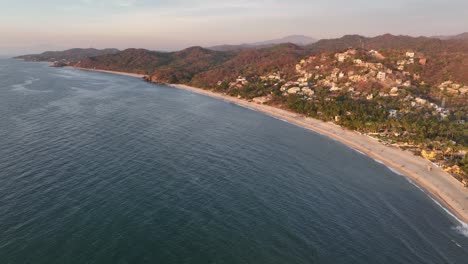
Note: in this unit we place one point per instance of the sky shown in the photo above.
(37, 25)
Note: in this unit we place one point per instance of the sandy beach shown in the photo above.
(437, 183)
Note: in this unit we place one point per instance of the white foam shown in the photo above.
(358, 151)
(394, 171)
(455, 242)
(378, 161)
(414, 184)
(462, 228)
(23, 87)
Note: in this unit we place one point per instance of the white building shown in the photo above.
(381, 76)
(294, 90)
(410, 54)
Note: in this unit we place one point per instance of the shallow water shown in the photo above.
(98, 168)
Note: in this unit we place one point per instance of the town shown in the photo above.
(391, 82)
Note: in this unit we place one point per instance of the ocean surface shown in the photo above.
(100, 168)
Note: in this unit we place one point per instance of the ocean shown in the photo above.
(100, 168)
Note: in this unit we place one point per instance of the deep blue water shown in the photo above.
(98, 168)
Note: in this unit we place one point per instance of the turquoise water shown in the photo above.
(98, 168)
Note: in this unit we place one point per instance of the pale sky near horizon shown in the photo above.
(33, 26)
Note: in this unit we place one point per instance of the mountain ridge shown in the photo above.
(69, 54)
(301, 40)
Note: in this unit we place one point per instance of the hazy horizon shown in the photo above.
(173, 25)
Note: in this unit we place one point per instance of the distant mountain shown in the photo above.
(67, 55)
(462, 36)
(294, 39)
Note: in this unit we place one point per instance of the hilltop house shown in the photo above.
(341, 56)
(410, 54)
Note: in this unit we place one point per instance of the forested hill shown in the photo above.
(180, 66)
(67, 55)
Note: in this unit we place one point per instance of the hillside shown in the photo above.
(251, 63)
(130, 60)
(178, 66)
(67, 55)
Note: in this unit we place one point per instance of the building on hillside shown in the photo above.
(307, 91)
(341, 57)
(242, 80)
(422, 61)
(294, 90)
(381, 76)
(392, 113)
(394, 91)
(410, 54)
(420, 101)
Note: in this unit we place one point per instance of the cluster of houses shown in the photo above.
(239, 83)
(337, 78)
(313, 72)
(453, 88)
(418, 103)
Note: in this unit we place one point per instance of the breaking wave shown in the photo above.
(461, 228)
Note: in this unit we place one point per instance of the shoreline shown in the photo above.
(438, 184)
(136, 75)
